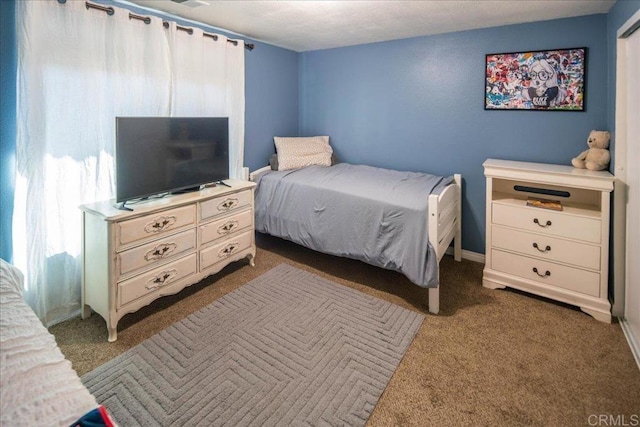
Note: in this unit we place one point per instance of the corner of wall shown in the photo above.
(7, 123)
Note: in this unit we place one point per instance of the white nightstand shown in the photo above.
(561, 255)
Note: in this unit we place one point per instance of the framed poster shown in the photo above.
(547, 80)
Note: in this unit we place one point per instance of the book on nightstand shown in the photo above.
(544, 203)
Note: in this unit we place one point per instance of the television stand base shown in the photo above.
(121, 206)
(186, 190)
(215, 184)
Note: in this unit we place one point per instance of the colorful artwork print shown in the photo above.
(542, 80)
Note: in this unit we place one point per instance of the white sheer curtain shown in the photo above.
(206, 79)
(78, 69)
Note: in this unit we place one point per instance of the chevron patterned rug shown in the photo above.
(287, 349)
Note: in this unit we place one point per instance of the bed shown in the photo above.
(402, 221)
(39, 386)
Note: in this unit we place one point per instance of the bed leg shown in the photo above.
(457, 240)
(457, 246)
(85, 312)
(434, 300)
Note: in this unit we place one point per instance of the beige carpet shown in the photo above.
(491, 357)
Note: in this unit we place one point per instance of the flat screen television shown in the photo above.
(156, 155)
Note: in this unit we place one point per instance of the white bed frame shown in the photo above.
(444, 225)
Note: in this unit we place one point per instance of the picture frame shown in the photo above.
(542, 80)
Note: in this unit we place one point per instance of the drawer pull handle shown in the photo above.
(160, 251)
(228, 227)
(543, 226)
(160, 224)
(227, 204)
(547, 249)
(161, 279)
(546, 273)
(228, 250)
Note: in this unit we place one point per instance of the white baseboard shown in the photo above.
(469, 255)
(631, 339)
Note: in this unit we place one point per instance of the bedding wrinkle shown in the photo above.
(374, 215)
(39, 386)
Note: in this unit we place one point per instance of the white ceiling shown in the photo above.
(304, 25)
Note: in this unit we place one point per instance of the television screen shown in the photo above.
(157, 155)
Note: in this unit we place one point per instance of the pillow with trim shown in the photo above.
(273, 161)
(298, 152)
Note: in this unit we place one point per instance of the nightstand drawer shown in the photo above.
(156, 251)
(220, 252)
(224, 227)
(154, 225)
(222, 205)
(551, 248)
(548, 273)
(547, 222)
(139, 286)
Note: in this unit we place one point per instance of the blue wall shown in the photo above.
(271, 105)
(7, 124)
(417, 104)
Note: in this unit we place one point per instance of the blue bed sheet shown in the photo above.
(374, 215)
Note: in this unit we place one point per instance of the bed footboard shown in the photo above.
(445, 225)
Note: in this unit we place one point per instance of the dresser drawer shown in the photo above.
(224, 227)
(156, 224)
(222, 205)
(146, 283)
(551, 248)
(547, 222)
(570, 278)
(223, 250)
(151, 253)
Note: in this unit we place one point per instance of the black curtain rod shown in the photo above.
(248, 46)
(110, 11)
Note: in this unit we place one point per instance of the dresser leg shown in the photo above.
(113, 334)
(492, 285)
(252, 260)
(598, 315)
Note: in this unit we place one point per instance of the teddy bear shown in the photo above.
(597, 157)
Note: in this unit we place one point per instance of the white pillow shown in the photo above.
(298, 152)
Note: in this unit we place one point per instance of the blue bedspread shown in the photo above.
(375, 215)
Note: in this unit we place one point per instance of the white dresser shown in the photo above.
(558, 254)
(129, 259)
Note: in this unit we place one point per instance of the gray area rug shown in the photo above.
(287, 349)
